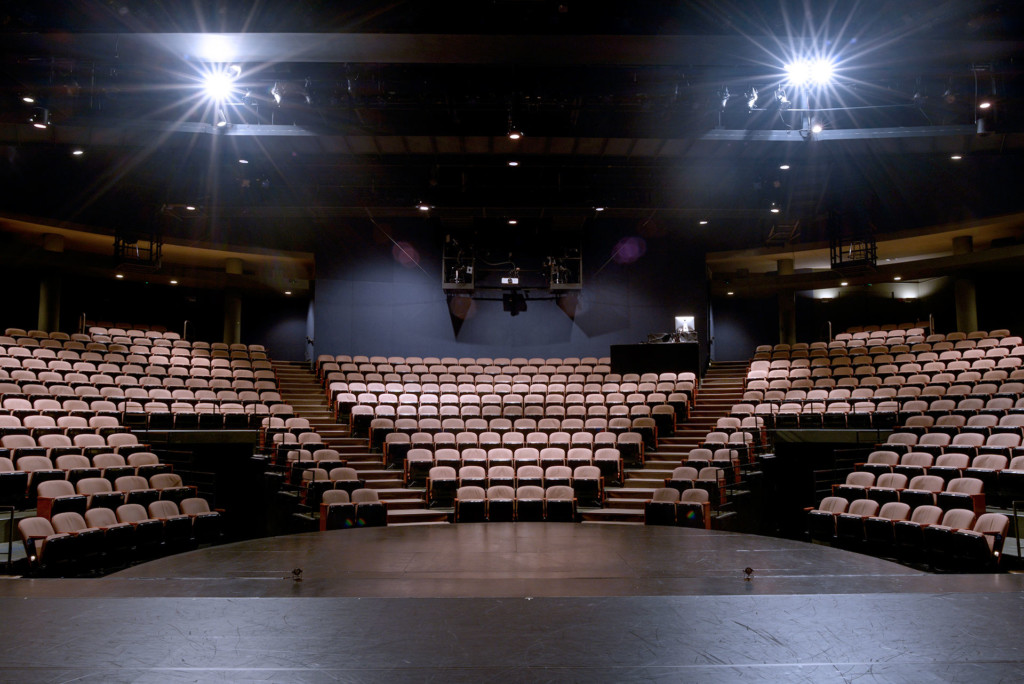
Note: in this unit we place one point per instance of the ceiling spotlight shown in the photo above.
(984, 105)
(784, 167)
(189, 207)
(775, 208)
(422, 206)
(119, 275)
(219, 84)
(78, 153)
(174, 282)
(28, 99)
(816, 72)
(816, 127)
(729, 293)
(897, 278)
(287, 292)
(956, 157)
(598, 208)
(513, 163)
(843, 284)
(243, 161)
(515, 134)
(512, 222)
(40, 117)
(703, 222)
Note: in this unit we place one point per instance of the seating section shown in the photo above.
(75, 542)
(522, 422)
(144, 379)
(881, 378)
(954, 405)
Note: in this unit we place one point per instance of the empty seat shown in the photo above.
(529, 503)
(370, 510)
(822, 520)
(470, 503)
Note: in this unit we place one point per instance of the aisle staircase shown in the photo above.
(720, 388)
(300, 388)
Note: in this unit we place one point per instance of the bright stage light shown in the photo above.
(817, 72)
(220, 84)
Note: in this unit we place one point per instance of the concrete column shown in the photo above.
(787, 317)
(232, 317)
(232, 304)
(787, 306)
(49, 288)
(964, 291)
(49, 303)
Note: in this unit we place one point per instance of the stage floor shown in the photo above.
(515, 602)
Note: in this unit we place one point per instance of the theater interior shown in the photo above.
(511, 340)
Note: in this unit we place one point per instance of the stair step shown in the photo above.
(617, 515)
(416, 516)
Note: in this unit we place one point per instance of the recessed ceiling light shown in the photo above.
(897, 278)
(513, 163)
(956, 157)
(174, 282)
(729, 293)
(844, 284)
(515, 134)
(512, 222)
(423, 207)
(784, 167)
(119, 275)
(775, 210)
(39, 125)
(243, 161)
(189, 207)
(28, 99)
(287, 292)
(984, 105)
(598, 208)
(703, 223)
(78, 153)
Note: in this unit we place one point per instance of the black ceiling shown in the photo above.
(384, 105)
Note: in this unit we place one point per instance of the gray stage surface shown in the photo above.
(515, 603)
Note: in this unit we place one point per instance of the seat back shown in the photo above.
(894, 510)
(863, 507)
(928, 483)
(666, 494)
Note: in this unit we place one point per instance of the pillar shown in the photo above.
(787, 306)
(49, 288)
(232, 304)
(965, 297)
